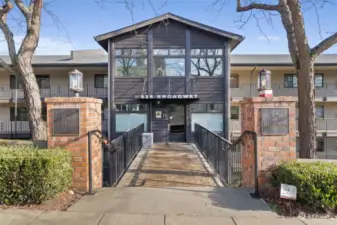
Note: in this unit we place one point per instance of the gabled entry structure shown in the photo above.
(169, 73)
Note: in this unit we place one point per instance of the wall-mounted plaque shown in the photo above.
(158, 115)
(274, 121)
(66, 122)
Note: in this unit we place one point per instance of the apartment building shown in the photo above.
(184, 59)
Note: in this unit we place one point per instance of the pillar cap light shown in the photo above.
(264, 83)
(76, 81)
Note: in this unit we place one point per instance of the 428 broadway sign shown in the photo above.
(167, 96)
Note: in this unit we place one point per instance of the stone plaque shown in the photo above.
(274, 121)
(66, 122)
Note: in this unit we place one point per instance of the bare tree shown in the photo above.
(303, 56)
(21, 60)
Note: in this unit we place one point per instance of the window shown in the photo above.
(22, 114)
(290, 81)
(320, 145)
(206, 108)
(101, 81)
(127, 67)
(105, 110)
(131, 62)
(14, 82)
(131, 107)
(127, 121)
(208, 115)
(169, 67)
(320, 112)
(211, 121)
(169, 62)
(234, 82)
(43, 81)
(235, 112)
(319, 81)
(206, 62)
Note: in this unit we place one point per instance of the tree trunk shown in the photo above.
(31, 91)
(306, 101)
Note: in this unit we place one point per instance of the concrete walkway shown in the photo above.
(172, 165)
(25, 217)
(186, 193)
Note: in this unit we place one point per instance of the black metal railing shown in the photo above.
(224, 156)
(119, 153)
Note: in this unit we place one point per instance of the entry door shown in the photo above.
(176, 122)
(160, 121)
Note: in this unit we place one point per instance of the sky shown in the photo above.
(78, 21)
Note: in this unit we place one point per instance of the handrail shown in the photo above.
(131, 144)
(219, 152)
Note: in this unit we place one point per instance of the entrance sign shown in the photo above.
(66, 122)
(158, 115)
(166, 96)
(274, 121)
(288, 192)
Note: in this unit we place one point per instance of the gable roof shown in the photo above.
(234, 38)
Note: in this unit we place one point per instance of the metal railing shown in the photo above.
(119, 153)
(222, 155)
(250, 90)
(55, 90)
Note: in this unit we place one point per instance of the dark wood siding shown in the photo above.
(135, 39)
(127, 88)
(208, 89)
(203, 39)
(169, 34)
(160, 126)
(167, 85)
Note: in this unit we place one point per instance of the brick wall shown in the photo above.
(90, 119)
(271, 150)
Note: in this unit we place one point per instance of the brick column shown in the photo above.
(271, 149)
(89, 118)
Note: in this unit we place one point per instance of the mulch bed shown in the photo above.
(61, 202)
(290, 208)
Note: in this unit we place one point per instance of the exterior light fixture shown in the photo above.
(76, 82)
(264, 84)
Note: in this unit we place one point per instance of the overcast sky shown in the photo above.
(81, 20)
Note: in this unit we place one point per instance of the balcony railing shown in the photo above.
(322, 125)
(55, 91)
(20, 129)
(250, 90)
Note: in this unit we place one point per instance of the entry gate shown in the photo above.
(224, 156)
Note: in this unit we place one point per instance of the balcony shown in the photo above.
(250, 90)
(20, 129)
(328, 126)
(54, 91)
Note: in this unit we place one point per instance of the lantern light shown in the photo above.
(76, 81)
(264, 84)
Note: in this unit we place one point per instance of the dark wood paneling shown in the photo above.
(204, 39)
(135, 39)
(209, 89)
(167, 85)
(169, 33)
(127, 88)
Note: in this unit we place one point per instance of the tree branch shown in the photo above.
(324, 45)
(24, 9)
(253, 5)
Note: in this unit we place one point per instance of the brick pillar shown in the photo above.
(272, 148)
(69, 121)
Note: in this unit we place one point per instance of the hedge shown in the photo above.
(316, 182)
(31, 176)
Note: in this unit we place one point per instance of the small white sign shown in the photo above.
(288, 192)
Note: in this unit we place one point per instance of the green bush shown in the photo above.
(316, 182)
(30, 176)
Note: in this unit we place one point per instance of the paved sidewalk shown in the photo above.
(25, 217)
(172, 165)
